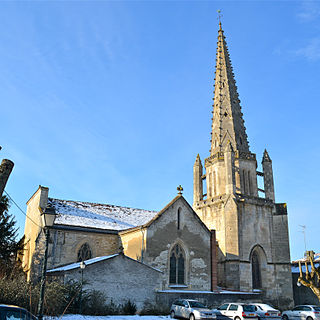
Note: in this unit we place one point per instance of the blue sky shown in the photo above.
(110, 101)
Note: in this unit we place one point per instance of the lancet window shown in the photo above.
(256, 271)
(177, 266)
(84, 252)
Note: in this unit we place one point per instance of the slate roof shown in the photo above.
(99, 216)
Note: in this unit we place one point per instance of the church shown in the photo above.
(231, 239)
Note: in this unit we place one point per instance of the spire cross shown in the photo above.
(180, 189)
(220, 15)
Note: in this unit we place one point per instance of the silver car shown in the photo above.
(303, 312)
(190, 309)
(266, 312)
(236, 311)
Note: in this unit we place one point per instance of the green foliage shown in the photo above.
(154, 309)
(129, 308)
(8, 244)
(93, 303)
(59, 298)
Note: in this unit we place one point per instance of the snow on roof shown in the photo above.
(316, 259)
(100, 216)
(77, 264)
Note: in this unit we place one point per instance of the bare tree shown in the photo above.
(311, 279)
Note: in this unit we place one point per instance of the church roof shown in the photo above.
(100, 216)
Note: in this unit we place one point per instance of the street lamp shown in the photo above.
(298, 283)
(82, 267)
(47, 219)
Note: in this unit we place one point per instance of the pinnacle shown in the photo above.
(266, 156)
(198, 160)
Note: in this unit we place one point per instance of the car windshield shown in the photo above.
(196, 304)
(248, 308)
(265, 307)
(316, 308)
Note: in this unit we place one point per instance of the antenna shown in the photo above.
(304, 236)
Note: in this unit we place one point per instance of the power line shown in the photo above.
(20, 208)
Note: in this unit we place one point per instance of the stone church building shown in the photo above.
(232, 238)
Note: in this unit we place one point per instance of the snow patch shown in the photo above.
(198, 263)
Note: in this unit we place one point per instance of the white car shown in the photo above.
(266, 312)
(236, 311)
(303, 312)
(191, 309)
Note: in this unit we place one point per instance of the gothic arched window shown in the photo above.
(84, 252)
(256, 271)
(177, 262)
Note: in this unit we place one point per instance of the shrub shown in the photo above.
(154, 309)
(129, 308)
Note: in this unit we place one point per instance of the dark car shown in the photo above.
(8, 312)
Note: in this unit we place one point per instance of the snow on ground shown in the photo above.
(80, 317)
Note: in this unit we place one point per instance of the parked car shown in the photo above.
(236, 311)
(8, 312)
(266, 312)
(190, 309)
(303, 312)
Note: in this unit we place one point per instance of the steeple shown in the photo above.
(227, 124)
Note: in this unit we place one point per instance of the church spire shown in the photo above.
(227, 124)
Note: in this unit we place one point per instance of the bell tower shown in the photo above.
(230, 203)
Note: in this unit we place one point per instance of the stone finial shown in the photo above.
(266, 156)
(180, 189)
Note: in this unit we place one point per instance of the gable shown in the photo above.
(179, 214)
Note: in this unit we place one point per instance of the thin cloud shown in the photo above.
(311, 51)
(310, 11)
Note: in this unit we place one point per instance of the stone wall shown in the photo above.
(210, 299)
(64, 241)
(33, 229)
(302, 294)
(121, 279)
(192, 235)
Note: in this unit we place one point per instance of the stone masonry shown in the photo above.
(252, 231)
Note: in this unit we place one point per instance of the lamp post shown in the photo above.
(82, 267)
(47, 218)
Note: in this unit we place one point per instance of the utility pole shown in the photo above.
(5, 171)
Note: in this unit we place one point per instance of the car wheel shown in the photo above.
(309, 318)
(237, 318)
(285, 317)
(172, 315)
(191, 316)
